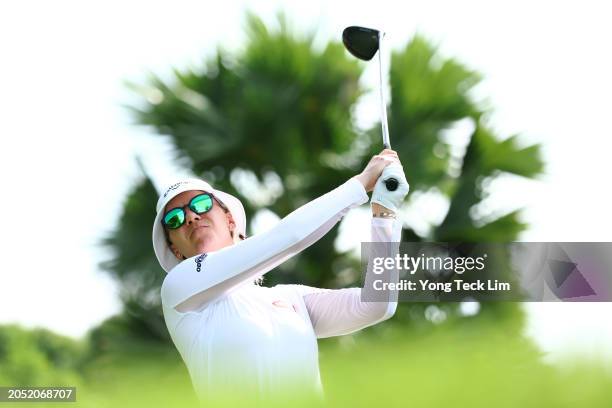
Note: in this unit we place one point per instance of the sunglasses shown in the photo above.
(200, 204)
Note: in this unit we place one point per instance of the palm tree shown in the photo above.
(276, 118)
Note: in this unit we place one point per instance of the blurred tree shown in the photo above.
(447, 149)
(38, 357)
(273, 125)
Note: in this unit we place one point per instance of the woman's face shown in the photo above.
(205, 232)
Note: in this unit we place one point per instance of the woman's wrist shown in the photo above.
(380, 211)
(363, 182)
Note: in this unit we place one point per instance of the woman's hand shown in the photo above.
(374, 168)
(390, 200)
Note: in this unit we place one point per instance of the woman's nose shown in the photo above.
(191, 216)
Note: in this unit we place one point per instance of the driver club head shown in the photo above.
(362, 42)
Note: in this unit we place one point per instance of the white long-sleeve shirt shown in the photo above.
(234, 335)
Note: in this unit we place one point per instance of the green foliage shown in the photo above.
(486, 157)
(429, 94)
(470, 363)
(278, 106)
(38, 357)
(121, 333)
(137, 268)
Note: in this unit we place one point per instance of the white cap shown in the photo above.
(164, 255)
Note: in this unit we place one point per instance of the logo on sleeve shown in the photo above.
(199, 260)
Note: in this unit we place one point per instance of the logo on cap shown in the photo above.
(174, 187)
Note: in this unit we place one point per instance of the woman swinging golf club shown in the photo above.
(234, 335)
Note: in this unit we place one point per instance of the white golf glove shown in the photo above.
(391, 199)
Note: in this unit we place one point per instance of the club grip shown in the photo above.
(391, 183)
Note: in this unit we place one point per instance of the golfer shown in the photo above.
(235, 335)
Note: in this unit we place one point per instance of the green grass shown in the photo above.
(466, 365)
(456, 367)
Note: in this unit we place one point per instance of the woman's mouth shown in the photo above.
(194, 229)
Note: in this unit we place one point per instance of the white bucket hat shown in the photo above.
(164, 255)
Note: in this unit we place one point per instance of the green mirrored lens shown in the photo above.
(174, 218)
(201, 203)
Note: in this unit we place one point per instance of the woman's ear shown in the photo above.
(230, 221)
(232, 228)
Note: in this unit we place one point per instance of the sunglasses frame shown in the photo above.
(212, 201)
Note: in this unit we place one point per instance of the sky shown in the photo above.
(68, 145)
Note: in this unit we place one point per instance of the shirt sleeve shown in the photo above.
(198, 280)
(341, 311)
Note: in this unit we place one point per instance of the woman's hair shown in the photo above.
(238, 237)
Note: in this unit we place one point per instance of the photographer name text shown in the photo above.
(447, 287)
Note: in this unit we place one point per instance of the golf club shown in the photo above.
(363, 43)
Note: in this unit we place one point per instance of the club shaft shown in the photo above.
(383, 104)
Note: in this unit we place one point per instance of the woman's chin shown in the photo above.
(205, 246)
(211, 246)
(208, 245)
